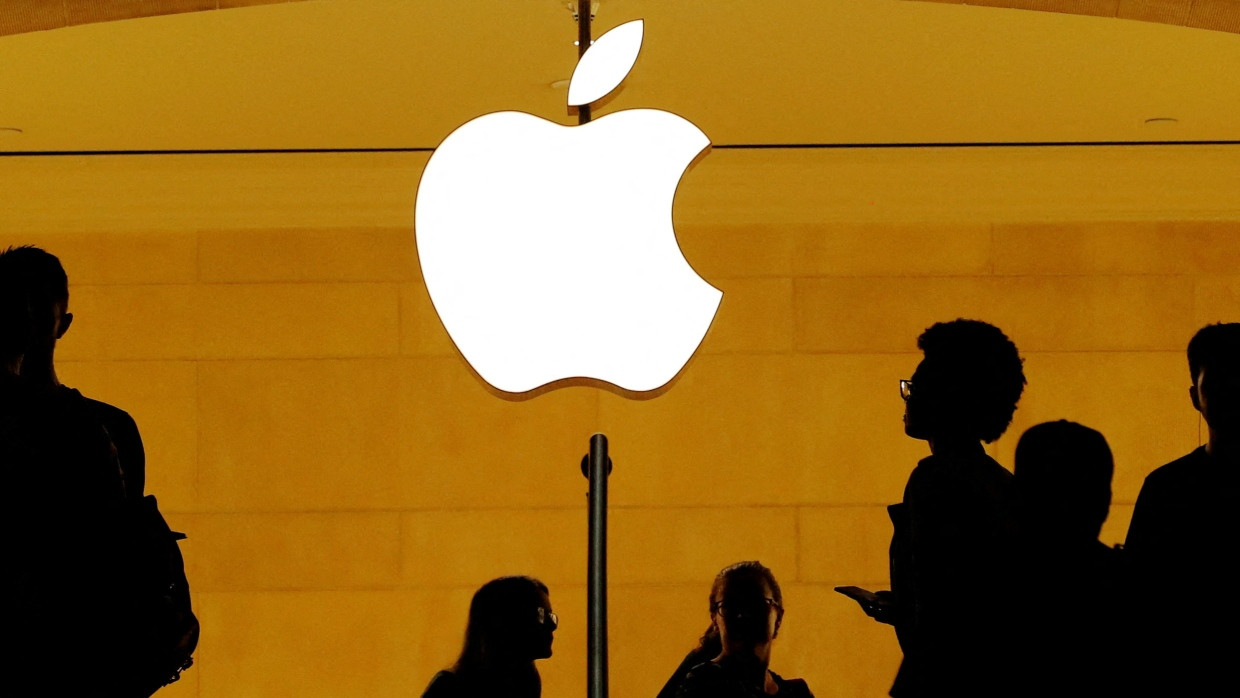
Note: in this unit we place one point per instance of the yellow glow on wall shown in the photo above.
(346, 484)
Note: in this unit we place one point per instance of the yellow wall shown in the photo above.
(346, 482)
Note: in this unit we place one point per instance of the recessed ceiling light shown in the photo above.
(1162, 120)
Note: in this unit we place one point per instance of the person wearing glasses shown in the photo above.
(950, 553)
(510, 626)
(746, 611)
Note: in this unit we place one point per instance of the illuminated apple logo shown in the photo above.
(548, 250)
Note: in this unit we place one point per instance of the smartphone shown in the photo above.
(865, 597)
(880, 608)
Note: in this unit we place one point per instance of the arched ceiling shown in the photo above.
(333, 74)
(1219, 15)
(21, 16)
(36, 15)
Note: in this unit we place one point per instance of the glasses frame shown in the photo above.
(906, 388)
(544, 615)
(716, 607)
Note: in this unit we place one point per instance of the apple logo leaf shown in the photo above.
(605, 64)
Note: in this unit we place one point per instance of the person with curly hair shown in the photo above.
(954, 528)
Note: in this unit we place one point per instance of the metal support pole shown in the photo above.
(592, 466)
(583, 43)
(596, 466)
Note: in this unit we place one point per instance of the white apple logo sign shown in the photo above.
(548, 250)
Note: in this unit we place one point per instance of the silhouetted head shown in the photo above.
(1063, 480)
(967, 385)
(15, 321)
(746, 605)
(46, 286)
(1214, 362)
(15, 330)
(510, 622)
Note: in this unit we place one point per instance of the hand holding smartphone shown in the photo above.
(878, 605)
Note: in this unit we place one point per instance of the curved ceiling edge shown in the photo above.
(34, 15)
(1217, 15)
(37, 15)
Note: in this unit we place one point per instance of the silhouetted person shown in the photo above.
(510, 626)
(953, 530)
(63, 500)
(1183, 537)
(48, 288)
(98, 576)
(1069, 600)
(746, 610)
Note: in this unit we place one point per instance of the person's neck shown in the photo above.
(40, 370)
(509, 675)
(954, 445)
(513, 666)
(750, 662)
(1223, 447)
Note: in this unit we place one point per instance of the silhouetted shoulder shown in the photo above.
(703, 681)
(445, 684)
(123, 431)
(959, 488)
(932, 468)
(792, 688)
(113, 415)
(709, 680)
(1181, 472)
(1167, 500)
(695, 657)
(1184, 524)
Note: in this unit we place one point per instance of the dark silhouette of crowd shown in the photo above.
(999, 583)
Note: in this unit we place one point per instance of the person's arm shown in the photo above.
(132, 455)
(1146, 523)
(123, 432)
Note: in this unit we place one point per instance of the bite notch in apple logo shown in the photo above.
(548, 251)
